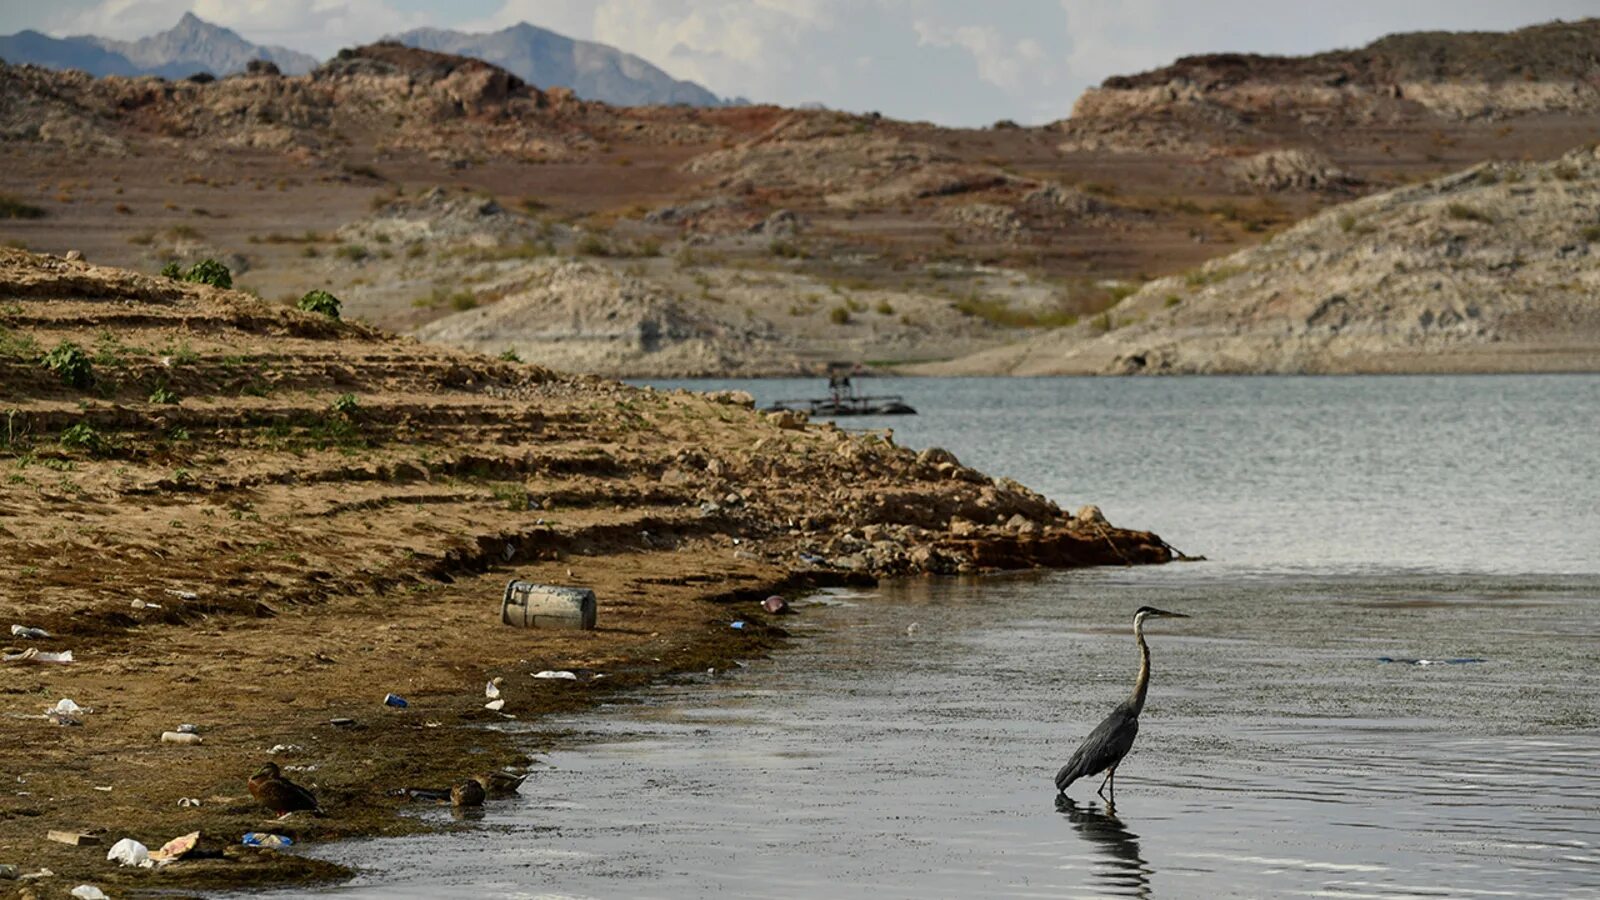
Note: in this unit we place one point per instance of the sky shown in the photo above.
(955, 62)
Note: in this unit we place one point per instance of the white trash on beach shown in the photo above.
(181, 737)
(34, 655)
(492, 690)
(129, 852)
(89, 892)
(496, 705)
(562, 674)
(28, 633)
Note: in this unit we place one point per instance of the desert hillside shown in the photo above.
(444, 196)
(1490, 269)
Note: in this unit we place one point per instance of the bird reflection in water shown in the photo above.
(1126, 872)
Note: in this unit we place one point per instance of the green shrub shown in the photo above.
(510, 355)
(320, 302)
(69, 361)
(206, 271)
(163, 395)
(209, 271)
(82, 436)
(345, 404)
(839, 315)
(1591, 233)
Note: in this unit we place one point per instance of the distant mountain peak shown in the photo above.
(189, 46)
(547, 59)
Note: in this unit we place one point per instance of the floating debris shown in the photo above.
(395, 700)
(1454, 661)
(28, 633)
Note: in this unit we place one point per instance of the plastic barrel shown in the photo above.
(529, 605)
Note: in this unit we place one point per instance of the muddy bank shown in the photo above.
(258, 520)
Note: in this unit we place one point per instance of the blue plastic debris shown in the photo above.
(265, 839)
(395, 700)
(739, 625)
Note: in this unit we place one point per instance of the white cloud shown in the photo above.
(1009, 65)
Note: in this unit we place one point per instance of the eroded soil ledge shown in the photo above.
(258, 520)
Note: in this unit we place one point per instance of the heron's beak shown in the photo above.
(1172, 615)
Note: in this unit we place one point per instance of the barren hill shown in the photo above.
(421, 186)
(1491, 269)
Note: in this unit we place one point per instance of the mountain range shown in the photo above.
(541, 57)
(193, 45)
(547, 59)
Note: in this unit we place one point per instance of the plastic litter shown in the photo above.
(42, 873)
(813, 559)
(912, 629)
(183, 595)
(34, 655)
(66, 712)
(739, 625)
(9, 872)
(129, 852)
(145, 604)
(181, 737)
(562, 674)
(496, 705)
(188, 801)
(188, 728)
(28, 633)
(89, 892)
(342, 722)
(777, 605)
(265, 839)
(176, 848)
(395, 700)
(491, 690)
(284, 748)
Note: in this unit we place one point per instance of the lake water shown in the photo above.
(1390, 686)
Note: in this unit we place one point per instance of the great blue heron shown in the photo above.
(1111, 740)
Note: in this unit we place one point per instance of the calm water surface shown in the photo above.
(1293, 745)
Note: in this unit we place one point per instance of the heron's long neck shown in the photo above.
(1142, 683)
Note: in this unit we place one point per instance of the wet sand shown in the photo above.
(1280, 755)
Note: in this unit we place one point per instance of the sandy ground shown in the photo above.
(257, 520)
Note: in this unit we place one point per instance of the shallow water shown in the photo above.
(1279, 755)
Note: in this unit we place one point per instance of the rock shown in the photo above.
(73, 255)
(788, 419)
(934, 457)
(963, 527)
(1090, 516)
(732, 398)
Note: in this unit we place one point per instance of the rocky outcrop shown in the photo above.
(1490, 269)
(578, 316)
(1217, 100)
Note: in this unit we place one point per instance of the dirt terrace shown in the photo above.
(256, 520)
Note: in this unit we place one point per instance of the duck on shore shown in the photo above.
(279, 794)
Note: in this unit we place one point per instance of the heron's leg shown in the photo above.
(1113, 779)
(1102, 790)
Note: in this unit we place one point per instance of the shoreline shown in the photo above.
(258, 520)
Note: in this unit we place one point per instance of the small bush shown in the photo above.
(71, 363)
(839, 315)
(82, 436)
(592, 245)
(345, 405)
(1173, 300)
(884, 308)
(209, 271)
(163, 395)
(1591, 233)
(510, 355)
(351, 252)
(320, 302)
(172, 270)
